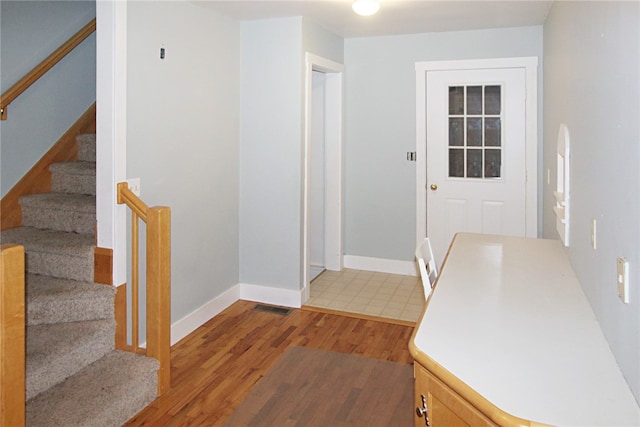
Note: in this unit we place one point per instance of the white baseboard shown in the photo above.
(277, 296)
(207, 311)
(269, 295)
(203, 314)
(382, 265)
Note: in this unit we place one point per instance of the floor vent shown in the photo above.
(272, 309)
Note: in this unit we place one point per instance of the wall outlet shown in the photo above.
(623, 280)
(134, 186)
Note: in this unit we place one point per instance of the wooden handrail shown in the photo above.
(158, 304)
(12, 336)
(33, 75)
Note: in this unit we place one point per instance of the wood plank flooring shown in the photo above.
(216, 366)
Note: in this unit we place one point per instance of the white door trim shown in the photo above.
(530, 64)
(333, 253)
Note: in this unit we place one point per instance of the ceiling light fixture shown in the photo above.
(365, 7)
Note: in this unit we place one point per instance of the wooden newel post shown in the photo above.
(159, 292)
(12, 336)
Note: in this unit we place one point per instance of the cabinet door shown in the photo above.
(444, 408)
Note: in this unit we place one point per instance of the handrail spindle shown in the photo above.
(158, 303)
(135, 276)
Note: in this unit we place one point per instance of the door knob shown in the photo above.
(433, 187)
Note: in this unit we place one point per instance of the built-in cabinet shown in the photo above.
(508, 338)
(438, 405)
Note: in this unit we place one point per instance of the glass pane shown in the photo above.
(456, 131)
(492, 100)
(492, 132)
(456, 163)
(474, 99)
(474, 131)
(492, 163)
(456, 100)
(474, 163)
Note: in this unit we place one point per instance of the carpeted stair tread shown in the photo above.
(57, 351)
(59, 211)
(87, 147)
(73, 177)
(104, 394)
(55, 253)
(54, 300)
(74, 377)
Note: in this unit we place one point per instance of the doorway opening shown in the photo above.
(322, 199)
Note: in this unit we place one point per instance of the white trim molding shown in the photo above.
(381, 265)
(241, 291)
(333, 226)
(268, 295)
(203, 314)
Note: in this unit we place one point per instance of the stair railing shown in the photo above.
(158, 281)
(12, 336)
(41, 69)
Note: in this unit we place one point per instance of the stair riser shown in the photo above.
(41, 378)
(59, 309)
(76, 222)
(74, 376)
(87, 148)
(60, 265)
(75, 184)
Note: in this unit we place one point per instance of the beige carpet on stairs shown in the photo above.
(74, 375)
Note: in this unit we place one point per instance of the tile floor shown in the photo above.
(370, 293)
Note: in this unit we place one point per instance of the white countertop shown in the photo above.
(509, 318)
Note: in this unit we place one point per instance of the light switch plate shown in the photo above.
(134, 186)
(623, 280)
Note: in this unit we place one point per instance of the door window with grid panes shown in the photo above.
(475, 132)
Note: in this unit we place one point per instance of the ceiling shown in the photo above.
(395, 16)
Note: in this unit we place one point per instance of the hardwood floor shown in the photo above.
(216, 366)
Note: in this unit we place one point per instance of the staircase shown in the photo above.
(74, 375)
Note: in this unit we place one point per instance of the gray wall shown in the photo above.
(271, 146)
(182, 138)
(29, 32)
(380, 184)
(591, 73)
(320, 41)
(270, 150)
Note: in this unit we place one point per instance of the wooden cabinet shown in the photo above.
(444, 408)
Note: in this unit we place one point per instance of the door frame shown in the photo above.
(333, 247)
(530, 65)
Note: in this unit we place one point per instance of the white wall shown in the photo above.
(380, 128)
(591, 73)
(182, 138)
(29, 32)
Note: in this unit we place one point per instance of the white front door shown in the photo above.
(476, 154)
